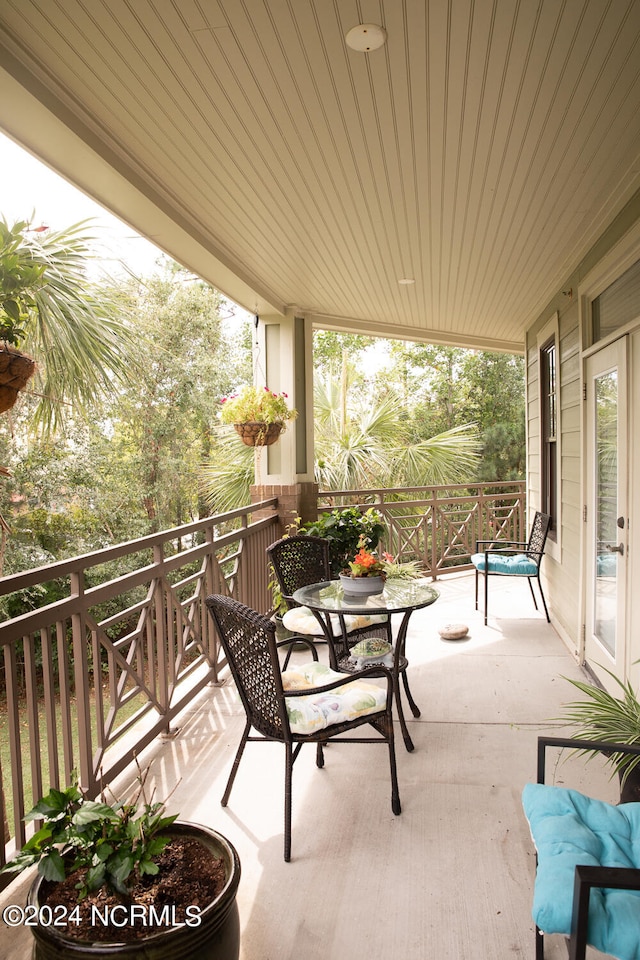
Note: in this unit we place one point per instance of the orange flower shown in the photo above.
(365, 559)
(365, 564)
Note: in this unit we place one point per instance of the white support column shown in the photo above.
(283, 361)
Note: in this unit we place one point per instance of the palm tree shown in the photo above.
(363, 441)
(359, 442)
(83, 346)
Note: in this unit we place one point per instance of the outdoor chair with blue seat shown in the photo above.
(309, 703)
(513, 558)
(587, 884)
(299, 561)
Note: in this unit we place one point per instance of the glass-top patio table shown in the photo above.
(397, 597)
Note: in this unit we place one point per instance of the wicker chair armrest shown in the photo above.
(574, 743)
(298, 638)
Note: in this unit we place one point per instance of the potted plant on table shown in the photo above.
(126, 880)
(366, 573)
(610, 719)
(258, 414)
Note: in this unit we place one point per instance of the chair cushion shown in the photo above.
(607, 565)
(302, 621)
(567, 829)
(513, 565)
(321, 710)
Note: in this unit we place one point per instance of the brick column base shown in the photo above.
(294, 500)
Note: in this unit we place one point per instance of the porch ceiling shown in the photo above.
(481, 151)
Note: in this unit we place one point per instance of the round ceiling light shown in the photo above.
(365, 37)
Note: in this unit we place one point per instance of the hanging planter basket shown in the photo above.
(16, 369)
(256, 434)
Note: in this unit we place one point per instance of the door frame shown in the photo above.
(613, 264)
(614, 355)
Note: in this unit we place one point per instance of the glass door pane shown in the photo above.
(606, 506)
(607, 511)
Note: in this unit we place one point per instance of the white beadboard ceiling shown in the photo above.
(480, 152)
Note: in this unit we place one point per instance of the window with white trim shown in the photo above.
(549, 431)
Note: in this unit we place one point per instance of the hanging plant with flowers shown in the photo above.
(258, 414)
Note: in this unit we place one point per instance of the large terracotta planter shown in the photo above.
(257, 434)
(16, 369)
(216, 938)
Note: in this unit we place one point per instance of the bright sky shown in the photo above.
(27, 185)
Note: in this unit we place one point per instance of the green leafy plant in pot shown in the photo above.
(126, 880)
(610, 719)
(346, 529)
(279, 604)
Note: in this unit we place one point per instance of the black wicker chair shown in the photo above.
(249, 642)
(513, 558)
(578, 864)
(301, 560)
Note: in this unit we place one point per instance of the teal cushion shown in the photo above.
(515, 565)
(607, 565)
(570, 829)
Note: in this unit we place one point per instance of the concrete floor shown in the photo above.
(451, 877)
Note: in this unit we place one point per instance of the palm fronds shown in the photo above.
(78, 334)
(602, 716)
(225, 479)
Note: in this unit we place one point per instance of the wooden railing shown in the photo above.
(90, 680)
(93, 678)
(439, 525)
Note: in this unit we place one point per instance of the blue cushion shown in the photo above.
(516, 565)
(570, 829)
(607, 565)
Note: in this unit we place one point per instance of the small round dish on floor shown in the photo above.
(453, 631)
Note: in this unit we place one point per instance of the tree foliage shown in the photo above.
(132, 467)
(446, 387)
(363, 440)
(152, 361)
(80, 337)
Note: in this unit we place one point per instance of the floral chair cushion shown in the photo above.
(301, 620)
(319, 710)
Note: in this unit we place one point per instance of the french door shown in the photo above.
(607, 511)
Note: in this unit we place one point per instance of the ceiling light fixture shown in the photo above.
(365, 37)
(405, 281)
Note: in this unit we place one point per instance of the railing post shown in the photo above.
(162, 616)
(433, 563)
(210, 587)
(87, 778)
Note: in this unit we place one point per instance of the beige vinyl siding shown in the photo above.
(562, 576)
(561, 573)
